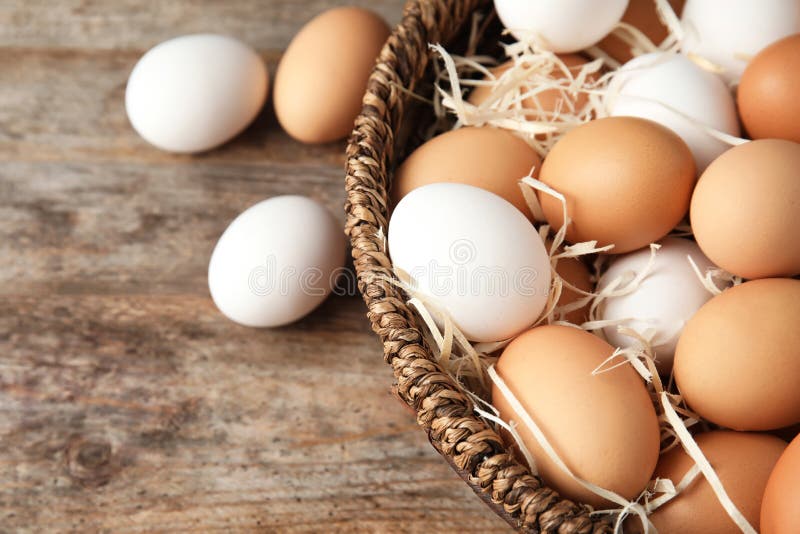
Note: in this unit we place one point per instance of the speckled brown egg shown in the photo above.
(780, 509)
(743, 462)
(627, 182)
(545, 100)
(488, 158)
(603, 426)
(738, 359)
(745, 208)
(323, 74)
(769, 92)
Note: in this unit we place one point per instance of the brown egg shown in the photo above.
(488, 158)
(602, 426)
(742, 461)
(322, 76)
(738, 359)
(768, 92)
(627, 181)
(780, 509)
(546, 100)
(745, 208)
(642, 15)
(576, 273)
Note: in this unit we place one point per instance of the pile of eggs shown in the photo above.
(280, 258)
(719, 312)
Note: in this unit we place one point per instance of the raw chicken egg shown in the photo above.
(780, 513)
(602, 426)
(742, 461)
(768, 92)
(627, 182)
(323, 74)
(195, 92)
(489, 158)
(475, 255)
(738, 359)
(642, 15)
(744, 210)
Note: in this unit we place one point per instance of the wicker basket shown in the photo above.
(387, 129)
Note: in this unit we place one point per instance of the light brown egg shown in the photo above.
(738, 359)
(576, 273)
(743, 462)
(768, 92)
(486, 157)
(627, 181)
(745, 208)
(780, 508)
(546, 100)
(642, 15)
(323, 74)
(602, 426)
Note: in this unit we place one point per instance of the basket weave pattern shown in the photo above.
(473, 448)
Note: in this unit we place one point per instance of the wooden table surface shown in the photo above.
(127, 402)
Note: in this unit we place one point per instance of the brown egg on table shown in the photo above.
(642, 15)
(768, 92)
(603, 426)
(489, 158)
(743, 462)
(737, 362)
(323, 74)
(745, 208)
(627, 182)
(780, 508)
(545, 100)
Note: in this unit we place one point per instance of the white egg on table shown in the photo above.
(729, 34)
(662, 303)
(672, 90)
(195, 92)
(475, 255)
(561, 26)
(276, 261)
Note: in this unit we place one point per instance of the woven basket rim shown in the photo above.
(473, 449)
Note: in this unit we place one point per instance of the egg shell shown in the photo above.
(276, 261)
(195, 92)
(780, 513)
(744, 210)
(549, 100)
(742, 461)
(768, 92)
(738, 359)
(561, 25)
(627, 182)
(642, 15)
(475, 255)
(323, 74)
(673, 91)
(576, 273)
(666, 298)
(729, 35)
(602, 426)
(489, 158)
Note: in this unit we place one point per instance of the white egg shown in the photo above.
(667, 297)
(475, 254)
(195, 92)
(729, 34)
(276, 262)
(561, 25)
(673, 91)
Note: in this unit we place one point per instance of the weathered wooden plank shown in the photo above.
(135, 24)
(133, 413)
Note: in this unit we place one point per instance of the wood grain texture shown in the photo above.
(127, 402)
